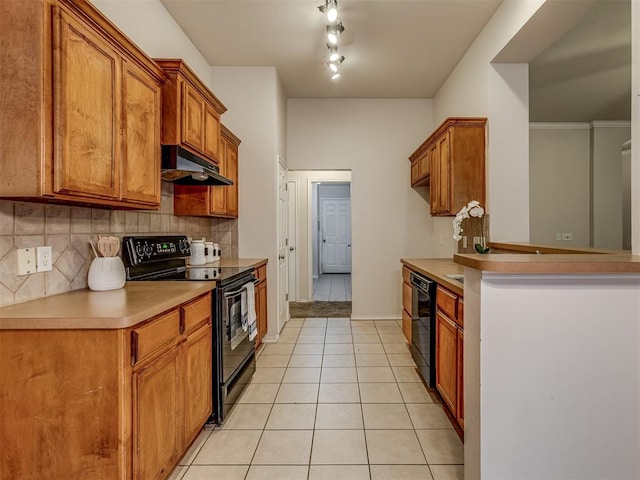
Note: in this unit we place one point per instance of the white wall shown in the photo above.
(256, 114)
(389, 220)
(635, 127)
(559, 180)
(606, 158)
(576, 183)
(150, 26)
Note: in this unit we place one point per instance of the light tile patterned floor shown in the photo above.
(333, 399)
(332, 287)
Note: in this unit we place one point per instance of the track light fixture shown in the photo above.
(330, 9)
(333, 32)
(333, 29)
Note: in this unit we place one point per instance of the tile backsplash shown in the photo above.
(69, 229)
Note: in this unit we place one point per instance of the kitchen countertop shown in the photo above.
(524, 263)
(122, 308)
(86, 309)
(437, 269)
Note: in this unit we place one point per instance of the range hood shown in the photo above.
(183, 167)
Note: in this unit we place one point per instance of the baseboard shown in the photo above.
(268, 338)
(376, 317)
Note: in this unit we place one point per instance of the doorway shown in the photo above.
(331, 222)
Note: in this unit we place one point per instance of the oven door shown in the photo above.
(236, 346)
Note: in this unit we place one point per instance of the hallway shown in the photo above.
(332, 287)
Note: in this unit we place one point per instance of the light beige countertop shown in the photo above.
(437, 269)
(86, 309)
(499, 247)
(524, 263)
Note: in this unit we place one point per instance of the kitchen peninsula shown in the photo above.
(552, 367)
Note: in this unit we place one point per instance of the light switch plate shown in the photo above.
(26, 261)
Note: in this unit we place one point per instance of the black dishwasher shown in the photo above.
(423, 326)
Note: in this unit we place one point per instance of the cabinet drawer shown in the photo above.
(151, 336)
(196, 313)
(407, 295)
(261, 272)
(446, 302)
(406, 275)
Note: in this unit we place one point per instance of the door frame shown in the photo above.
(293, 239)
(324, 180)
(282, 283)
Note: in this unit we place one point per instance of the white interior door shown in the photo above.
(283, 217)
(292, 188)
(336, 235)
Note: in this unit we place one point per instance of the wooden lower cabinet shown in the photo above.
(261, 303)
(407, 303)
(120, 404)
(447, 360)
(156, 399)
(450, 351)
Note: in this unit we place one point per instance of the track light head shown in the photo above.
(330, 9)
(333, 32)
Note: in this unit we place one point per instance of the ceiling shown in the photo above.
(586, 74)
(393, 48)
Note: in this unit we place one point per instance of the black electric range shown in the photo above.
(160, 258)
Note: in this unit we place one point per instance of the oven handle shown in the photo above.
(240, 290)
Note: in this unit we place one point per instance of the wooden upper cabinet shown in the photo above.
(82, 106)
(140, 178)
(190, 111)
(455, 154)
(213, 201)
(87, 146)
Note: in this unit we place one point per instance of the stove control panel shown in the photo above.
(140, 250)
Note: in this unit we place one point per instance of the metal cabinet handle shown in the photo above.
(281, 257)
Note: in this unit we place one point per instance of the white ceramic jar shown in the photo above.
(106, 273)
(210, 251)
(197, 253)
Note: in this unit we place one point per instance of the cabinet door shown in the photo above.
(434, 192)
(444, 193)
(424, 167)
(141, 161)
(193, 112)
(415, 171)
(211, 133)
(197, 382)
(406, 325)
(87, 111)
(447, 360)
(460, 379)
(261, 309)
(231, 159)
(156, 430)
(218, 196)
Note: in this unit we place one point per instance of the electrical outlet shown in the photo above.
(26, 261)
(44, 255)
(567, 236)
(558, 236)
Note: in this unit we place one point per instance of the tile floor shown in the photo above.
(333, 399)
(332, 287)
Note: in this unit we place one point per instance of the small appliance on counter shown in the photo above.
(164, 258)
(107, 270)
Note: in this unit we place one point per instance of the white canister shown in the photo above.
(197, 253)
(216, 252)
(209, 251)
(106, 273)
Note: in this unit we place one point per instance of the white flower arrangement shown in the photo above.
(472, 209)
